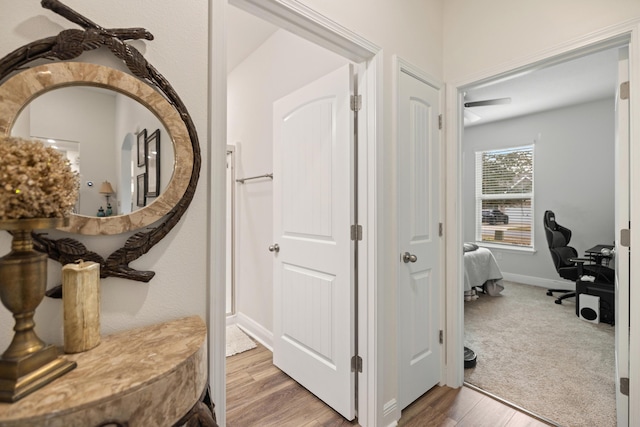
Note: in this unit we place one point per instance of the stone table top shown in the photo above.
(146, 376)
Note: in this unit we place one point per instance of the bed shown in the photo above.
(481, 270)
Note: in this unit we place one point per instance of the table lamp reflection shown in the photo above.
(107, 190)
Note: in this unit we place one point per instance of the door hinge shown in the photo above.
(441, 338)
(440, 229)
(624, 90)
(624, 386)
(625, 237)
(356, 364)
(356, 102)
(439, 121)
(356, 232)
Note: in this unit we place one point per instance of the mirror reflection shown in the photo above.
(110, 139)
(178, 171)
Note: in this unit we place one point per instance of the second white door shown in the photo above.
(419, 278)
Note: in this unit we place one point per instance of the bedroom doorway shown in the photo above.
(536, 265)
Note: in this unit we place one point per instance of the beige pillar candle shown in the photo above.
(81, 302)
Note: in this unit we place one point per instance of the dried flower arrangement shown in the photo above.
(36, 181)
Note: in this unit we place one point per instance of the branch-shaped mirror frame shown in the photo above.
(67, 45)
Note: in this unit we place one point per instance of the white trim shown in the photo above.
(610, 36)
(255, 329)
(390, 407)
(371, 295)
(312, 26)
(454, 333)
(217, 198)
(539, 281)
(402, 65)
(634, 167)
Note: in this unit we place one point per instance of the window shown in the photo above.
(504, 196)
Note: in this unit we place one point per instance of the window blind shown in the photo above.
(504, 196)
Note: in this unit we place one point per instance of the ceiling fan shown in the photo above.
(485, 102)
(471, 117)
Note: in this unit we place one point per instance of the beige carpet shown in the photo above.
(542, 357)
(238, 341)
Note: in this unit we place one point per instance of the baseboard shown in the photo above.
(254, 329)
(232, 319)
(539, 281)
(389, 407)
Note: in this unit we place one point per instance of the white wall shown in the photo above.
(179, 52)
(86, 117)
(283, 63)
(480, 36)
(132, 118)
(573, 176)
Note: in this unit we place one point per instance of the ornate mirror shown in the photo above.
(21, 86)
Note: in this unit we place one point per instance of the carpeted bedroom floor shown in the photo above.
(542, 357)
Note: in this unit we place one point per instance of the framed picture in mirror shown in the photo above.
(140, 189)
(142, 138)
(152, 149)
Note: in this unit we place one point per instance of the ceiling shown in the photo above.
(572, 82)
(245, 33)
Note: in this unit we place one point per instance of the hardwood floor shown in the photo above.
(259, 394)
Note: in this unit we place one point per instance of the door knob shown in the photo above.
(407, 257)
(274, 248)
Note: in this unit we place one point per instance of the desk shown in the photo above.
(598, 248)
(150, 376)
(595, 253)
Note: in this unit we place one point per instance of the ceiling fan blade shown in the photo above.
(497, 101)
(470, 117)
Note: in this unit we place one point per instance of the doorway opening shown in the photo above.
(363, 56)
(570, 139)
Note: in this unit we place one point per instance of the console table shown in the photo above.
(150, 376)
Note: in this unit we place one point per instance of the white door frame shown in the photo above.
(312, 26)
(629, 31)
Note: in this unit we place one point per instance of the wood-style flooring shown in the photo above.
(259, 394)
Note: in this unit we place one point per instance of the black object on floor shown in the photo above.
(470, 358)
(605, 292)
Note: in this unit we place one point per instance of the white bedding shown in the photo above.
(480, 267)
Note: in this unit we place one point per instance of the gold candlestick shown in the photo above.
(28, 363)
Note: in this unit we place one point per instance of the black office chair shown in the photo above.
(566, 261)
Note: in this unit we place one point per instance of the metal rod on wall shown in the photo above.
(266, 175)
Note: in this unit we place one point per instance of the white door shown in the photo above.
(622, 253)
(419, 276)
(313, 203)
